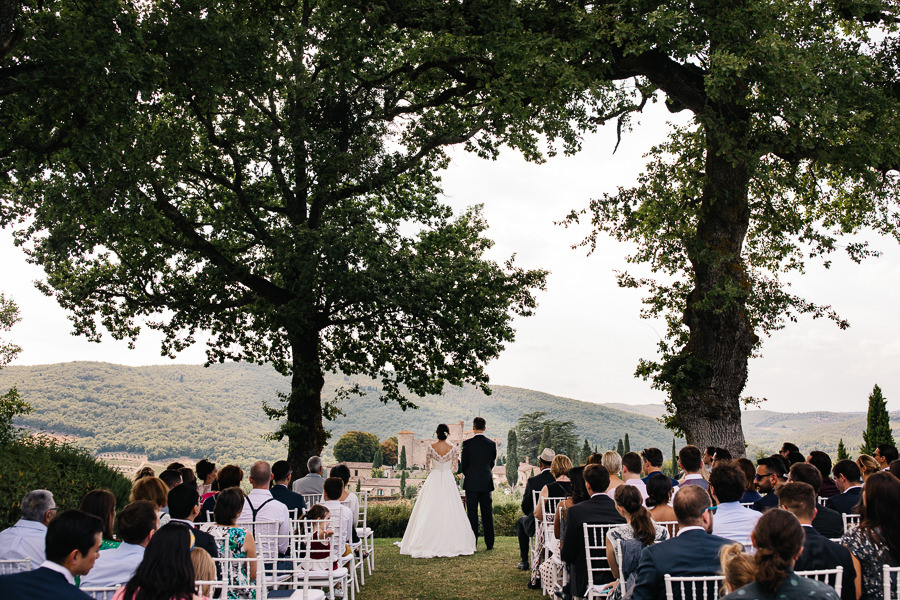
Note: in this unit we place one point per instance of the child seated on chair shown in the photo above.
(320, 548)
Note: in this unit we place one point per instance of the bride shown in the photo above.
(438, 525)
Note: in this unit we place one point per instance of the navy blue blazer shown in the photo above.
(290, 499)
(821, 553)
(845, 503)
(692, 553)
(768, 501)
(535, 484)
(828, 522)
(40, 584)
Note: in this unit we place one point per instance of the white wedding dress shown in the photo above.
(438, 525)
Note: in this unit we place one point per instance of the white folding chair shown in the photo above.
(365, 533)
(532, 542)
(595, 556)
(548, 515)
(747, 504)
(833, 577)
(891, 582)
(700, 587)
(101, 593)
(311, 500)
(296, 585)
(265, 534)
(671, 527)
(327, 578)
(358, 548)
(14, 565)
(850, 520)
(821, 500)
(235, 579)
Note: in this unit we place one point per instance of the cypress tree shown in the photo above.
(512, 458)
(378, 459)
(585, 452)
(546, 440)
(674, 471)
(878, 423)
(402, 483)
(842, 453)
(620, 448)
(627, 444)
(402, 464)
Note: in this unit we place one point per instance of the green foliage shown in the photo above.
(356, 446)
(389, 519)
(11, 405)
(67, 471)
(378, 458)
(512, 457)
(402, 464)
(673, 463)
(878, 423)
(403, 483)
(536, 432)
(627, 447)
(546, 439)
(585, 453)
(620, 448)
(506, 515)
(842, 453)
(389, 451)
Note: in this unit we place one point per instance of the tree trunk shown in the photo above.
(710, 372)
(304, 428)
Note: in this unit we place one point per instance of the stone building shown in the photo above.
(415, 448)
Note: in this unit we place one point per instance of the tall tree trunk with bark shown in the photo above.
(303, 427)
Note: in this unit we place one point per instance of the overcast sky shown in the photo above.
(586, 336)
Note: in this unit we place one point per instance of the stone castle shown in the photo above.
(415, 449)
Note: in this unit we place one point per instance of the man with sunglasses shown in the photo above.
(770, 472)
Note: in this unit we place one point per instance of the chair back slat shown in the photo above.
(833, 577)
(850, 520)
(891, 582)
(311, 500)
(14, 565)
(101, 593)
(595, 552)
(265, 534)
(700, 587)
(671, 527)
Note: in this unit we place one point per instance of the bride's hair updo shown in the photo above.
(442, 432)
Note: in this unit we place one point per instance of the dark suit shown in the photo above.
(290, 499)
(845, 503)
(40, 584)
(828, 488)
(693, 552)
(600, 509)
(768, 501)
(478, 457)
(525, 526)
(821, 553)
(828, 522)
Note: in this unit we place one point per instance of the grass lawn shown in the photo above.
(480, 576)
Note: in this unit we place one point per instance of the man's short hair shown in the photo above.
(182, 500)
(260, 473)
(597, 477)
(806, 473)
(137, 520)
(632, 462)
(314, 464)
(333, 488)
(654, 456)
(821, 461)
(203, 468)
(479, 423)
(342, 471)
(722, 454)
(774, 464)
(689, 504)
(35, 505)
(71, 530)
(888, 452)
(171, 478)
(798, 497)
(690, 458)
(848, 469)
(728, 481)
(789, 447)
(794, 458)
(229, 476)
(281, 469)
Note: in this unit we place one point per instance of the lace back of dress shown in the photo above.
(445, 462)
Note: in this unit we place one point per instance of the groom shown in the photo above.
(478, 457)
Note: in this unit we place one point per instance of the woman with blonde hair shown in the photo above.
(613, 463)
(154, 490)
(560, 488)
(867, 466)
(738, 567)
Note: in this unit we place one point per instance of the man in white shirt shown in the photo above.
(311, 483)
(631, 472)
(25, 539)
(733, 521)
(261, 506)
(341, 516)
(136, 525)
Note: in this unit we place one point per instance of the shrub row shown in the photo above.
(389, 519)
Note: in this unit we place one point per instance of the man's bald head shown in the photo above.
(260, 474)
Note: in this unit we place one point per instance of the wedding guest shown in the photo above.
(281, 491)
(320, 549)
(822, 462)
(259, 505)
(819, 552)
(849, 484)
(229, 476)
(25, 539)
(171, 478)
(231, 540)
(102, 504)
(690, 461)
(174, 466)
(894, 469)
(778, 538)
(827, 521)
(312, 482)
(638, 527)
(184, 506)
(659, 494)
(708, 455)
(166, 570)
(631, 472)
(206, 474)
(72, 545)
(738, 567)
(137, 523)
(594, 458)
(340, 514)
(652, 461)
(579, 494)
(188, 477)
(613, 463)
(559, 488)
(787, 448)
(204, 570)
(154, 490)
(144, 472)
(769, 473)
(876, 540)
(885, 454)
(348, 498)
(750, 493)
(733, 521)
(525, 527)
(867, 466)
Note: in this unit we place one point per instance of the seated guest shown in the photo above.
(154, 490)
(778, 538)
(827, 521)
(787, 448)
(894, 469)
(750, 493)
(733, 521)
(738, 567)
(659, 494)
(692, 552)
(876, 540)
(613, 463)
(144, 472)
(259, 505)
(25, 539)
(867, 466)
(631, 472)
(281, 480)
(525, 527)
(639, 528)
(818, 551)
(560, 487)
(885, 454)
(230, 476)
(690, 461)
(171, 478)
(848, 482)
(184, 506)
(348, 498)
(822, 462)
(769, 473)
(231, 541)
(137, 523)
(206, 474)
(204, 570)
(188, 477)
(708, 456)
(652, 461)
(311, 483)
(174, 466)
(722, 457)
(102, 504)
(340, 514)
(598, 509)
(579, 494)
(166, 570)
(72, 545)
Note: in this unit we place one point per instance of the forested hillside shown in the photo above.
(176, 410)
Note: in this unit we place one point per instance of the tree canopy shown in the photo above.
(356, 446)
